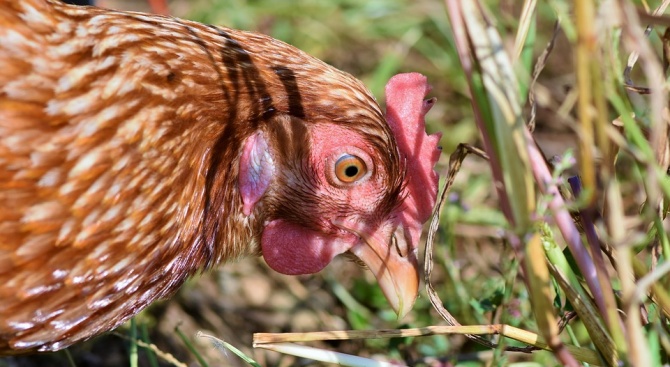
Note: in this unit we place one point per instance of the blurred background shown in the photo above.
(476, 274)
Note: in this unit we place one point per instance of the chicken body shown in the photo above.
(137, 150)
(155, 6)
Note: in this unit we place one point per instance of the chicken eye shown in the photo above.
(349, 168)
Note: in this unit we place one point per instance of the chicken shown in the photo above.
(138, 150)
(156, 6)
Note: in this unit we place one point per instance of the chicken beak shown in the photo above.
(394, 263)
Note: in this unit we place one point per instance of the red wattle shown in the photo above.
(292, 249)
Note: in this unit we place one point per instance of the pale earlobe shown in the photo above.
(256, 170)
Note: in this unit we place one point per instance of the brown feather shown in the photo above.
(120, 135)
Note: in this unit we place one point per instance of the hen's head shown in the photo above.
(330, 188)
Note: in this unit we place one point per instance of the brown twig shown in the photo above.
(539, 66)
(584, 354)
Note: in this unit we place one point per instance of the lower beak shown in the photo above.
(394, 264)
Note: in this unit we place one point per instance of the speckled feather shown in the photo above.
(120, 135)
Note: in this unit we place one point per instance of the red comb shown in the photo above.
(405, 112)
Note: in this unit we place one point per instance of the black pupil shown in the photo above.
(351, 171)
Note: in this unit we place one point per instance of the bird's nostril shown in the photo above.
(400, 244)
(400, 241)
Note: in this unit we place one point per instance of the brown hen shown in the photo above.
(137, 150)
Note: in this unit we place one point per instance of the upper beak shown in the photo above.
(394, 263)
